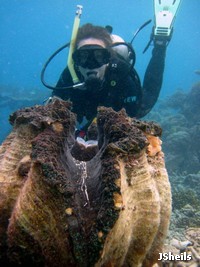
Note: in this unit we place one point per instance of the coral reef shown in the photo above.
(179, 116)
(13, 98)
(190, 246)
(61, 210)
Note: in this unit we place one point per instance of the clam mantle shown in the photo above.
(65, 204)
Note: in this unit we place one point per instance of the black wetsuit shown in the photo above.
(119, 89)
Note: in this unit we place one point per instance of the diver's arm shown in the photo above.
(152, 80)
(165, 14)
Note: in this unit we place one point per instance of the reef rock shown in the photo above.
(197, 72)
(110, 209)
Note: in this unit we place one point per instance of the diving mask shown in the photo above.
(91, 56)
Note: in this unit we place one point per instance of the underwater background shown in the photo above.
(32, 30)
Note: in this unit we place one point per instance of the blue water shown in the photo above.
(32, 30)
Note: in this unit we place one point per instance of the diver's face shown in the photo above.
(92, 71)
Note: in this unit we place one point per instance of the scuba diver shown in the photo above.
(103, 74)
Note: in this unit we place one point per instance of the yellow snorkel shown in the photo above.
(70, 62)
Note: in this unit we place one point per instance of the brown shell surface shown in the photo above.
(111, 209)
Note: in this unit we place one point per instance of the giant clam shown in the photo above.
(109, 209)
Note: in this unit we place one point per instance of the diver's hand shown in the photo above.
(51, 99)
(158, 40)
(161, 39)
